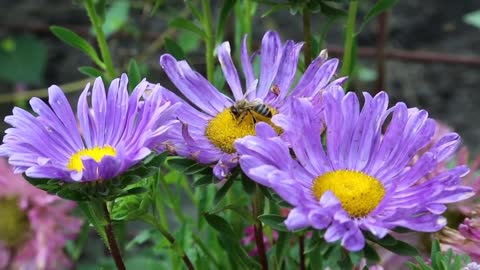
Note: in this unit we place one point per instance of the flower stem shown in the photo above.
(102, 42)
(307, 37)
(210, 39)
(112, 243)
(152, 221)
(349, 39)
(257, 210)
(301, 251)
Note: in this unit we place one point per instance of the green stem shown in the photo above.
(247, 22)
(210, 39)
(176, 209)
(307, 37)
(102, 42)
(152, 221)
(349, 39)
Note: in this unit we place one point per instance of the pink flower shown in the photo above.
(34, 226)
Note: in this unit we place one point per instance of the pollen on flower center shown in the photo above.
(96, 153)
(225, 128)
(358, 192)
(14, 223)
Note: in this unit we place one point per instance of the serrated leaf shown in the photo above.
(275, 222)
(134, 76)
(379, 7)
(90, 71)
(74, 40)
(188, 25)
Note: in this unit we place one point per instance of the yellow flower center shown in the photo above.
(14, 224)
(358, 192)
(226, 127)
(96, 153)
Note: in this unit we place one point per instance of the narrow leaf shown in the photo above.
(74, 40)
(134, 76)
(276, 222)
(90, 71)
(188, 25)
(379, 7)
(224, 13)
(174, 49)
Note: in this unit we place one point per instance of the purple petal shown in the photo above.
(229, 70)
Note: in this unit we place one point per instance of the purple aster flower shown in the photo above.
(34, 226)
(215, 121)
(113, 134)
(363, 178)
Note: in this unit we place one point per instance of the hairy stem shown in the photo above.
(301, 251)
(112, 243)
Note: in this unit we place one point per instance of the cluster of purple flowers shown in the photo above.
(343, 167)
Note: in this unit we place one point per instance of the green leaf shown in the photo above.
(174, 49)
(276, 222)
(379, 7)
(404, 249)
(332, 9)
(472, 18)
(100, 10)
(220, 225)
(74, 40)
(281, 245)
(219, 80)
(194, 10)
(116, 16)
(90, 71)
(203, 180)
(94, 213)
(371, 254)
(134, 76)
(223, 191)
(139, 239)
(158, 4)
(23, 60)
(188, 25)
(188, 42)
(224, 13)
(179, 163)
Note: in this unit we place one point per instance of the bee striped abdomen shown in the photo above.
(263, 110)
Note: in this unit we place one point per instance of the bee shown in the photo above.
(255, 108)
